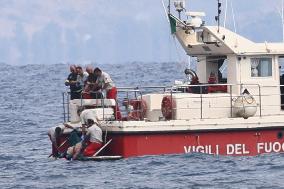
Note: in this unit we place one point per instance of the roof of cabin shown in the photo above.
(241, 45)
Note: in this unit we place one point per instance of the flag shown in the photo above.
(173, 24)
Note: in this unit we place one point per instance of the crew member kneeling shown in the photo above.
(93, 138)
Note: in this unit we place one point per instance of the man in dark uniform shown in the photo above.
(71, 81)
(91, 86)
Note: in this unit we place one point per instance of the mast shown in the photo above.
(225, 16)
(282, 17)
(169, 7)
(217, 18)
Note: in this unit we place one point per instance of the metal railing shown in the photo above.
(234, 91)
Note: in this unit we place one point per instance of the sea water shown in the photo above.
(31, 102)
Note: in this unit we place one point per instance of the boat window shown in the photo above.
(222, 72)
(261, 67)
(281, 72)
(281, 66)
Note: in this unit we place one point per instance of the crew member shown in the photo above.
(71, 82)
(104, 82)
(91, 90)
(81, 78)
(93, 138)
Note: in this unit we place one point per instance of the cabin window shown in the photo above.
(261, 67)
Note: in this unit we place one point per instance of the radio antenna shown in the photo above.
(217, 18)
(281, 14)
(225, 16)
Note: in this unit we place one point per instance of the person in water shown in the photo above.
(105, 83)
(54, 134)
(71, 81)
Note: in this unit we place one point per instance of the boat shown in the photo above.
(241, 114)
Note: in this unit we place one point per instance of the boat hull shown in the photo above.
(235, 142)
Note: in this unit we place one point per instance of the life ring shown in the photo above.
(168, 105)
(138, 110)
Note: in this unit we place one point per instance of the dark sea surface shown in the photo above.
(31, 102)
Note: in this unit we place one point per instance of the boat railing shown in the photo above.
(203, 95)
(171, 90)
(65, 104)
(66, 97)
(125, 94)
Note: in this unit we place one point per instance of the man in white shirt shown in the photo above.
(82, 77)
(91, 143)
(93, 138)
(104, 82)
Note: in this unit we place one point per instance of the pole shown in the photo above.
(103, 147)
(225, 16)
(233, 14)
(166, 13)
(218, 16)
(282, 17)
(169, 7)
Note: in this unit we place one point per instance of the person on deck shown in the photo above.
(71, 81)
(104, 82)
(54, 133)
(81, 78)
(91, 90)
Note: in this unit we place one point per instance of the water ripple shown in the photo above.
(31, 103)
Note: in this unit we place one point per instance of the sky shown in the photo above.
(115, 31)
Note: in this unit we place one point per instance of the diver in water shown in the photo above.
(54, 134)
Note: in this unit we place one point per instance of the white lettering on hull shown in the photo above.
(207, 149)
(237, 149)
(269, 147)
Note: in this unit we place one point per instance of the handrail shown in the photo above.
(171, 90)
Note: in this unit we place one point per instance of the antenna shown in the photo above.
(225, 16)
(217, 18)
(233, 14)
(282, 17)
(281, 14)
(169, 7)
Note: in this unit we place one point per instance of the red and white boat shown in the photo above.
(241, 114)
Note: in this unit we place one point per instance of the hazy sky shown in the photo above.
(113, 31)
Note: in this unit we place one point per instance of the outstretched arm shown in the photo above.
(68, 126)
